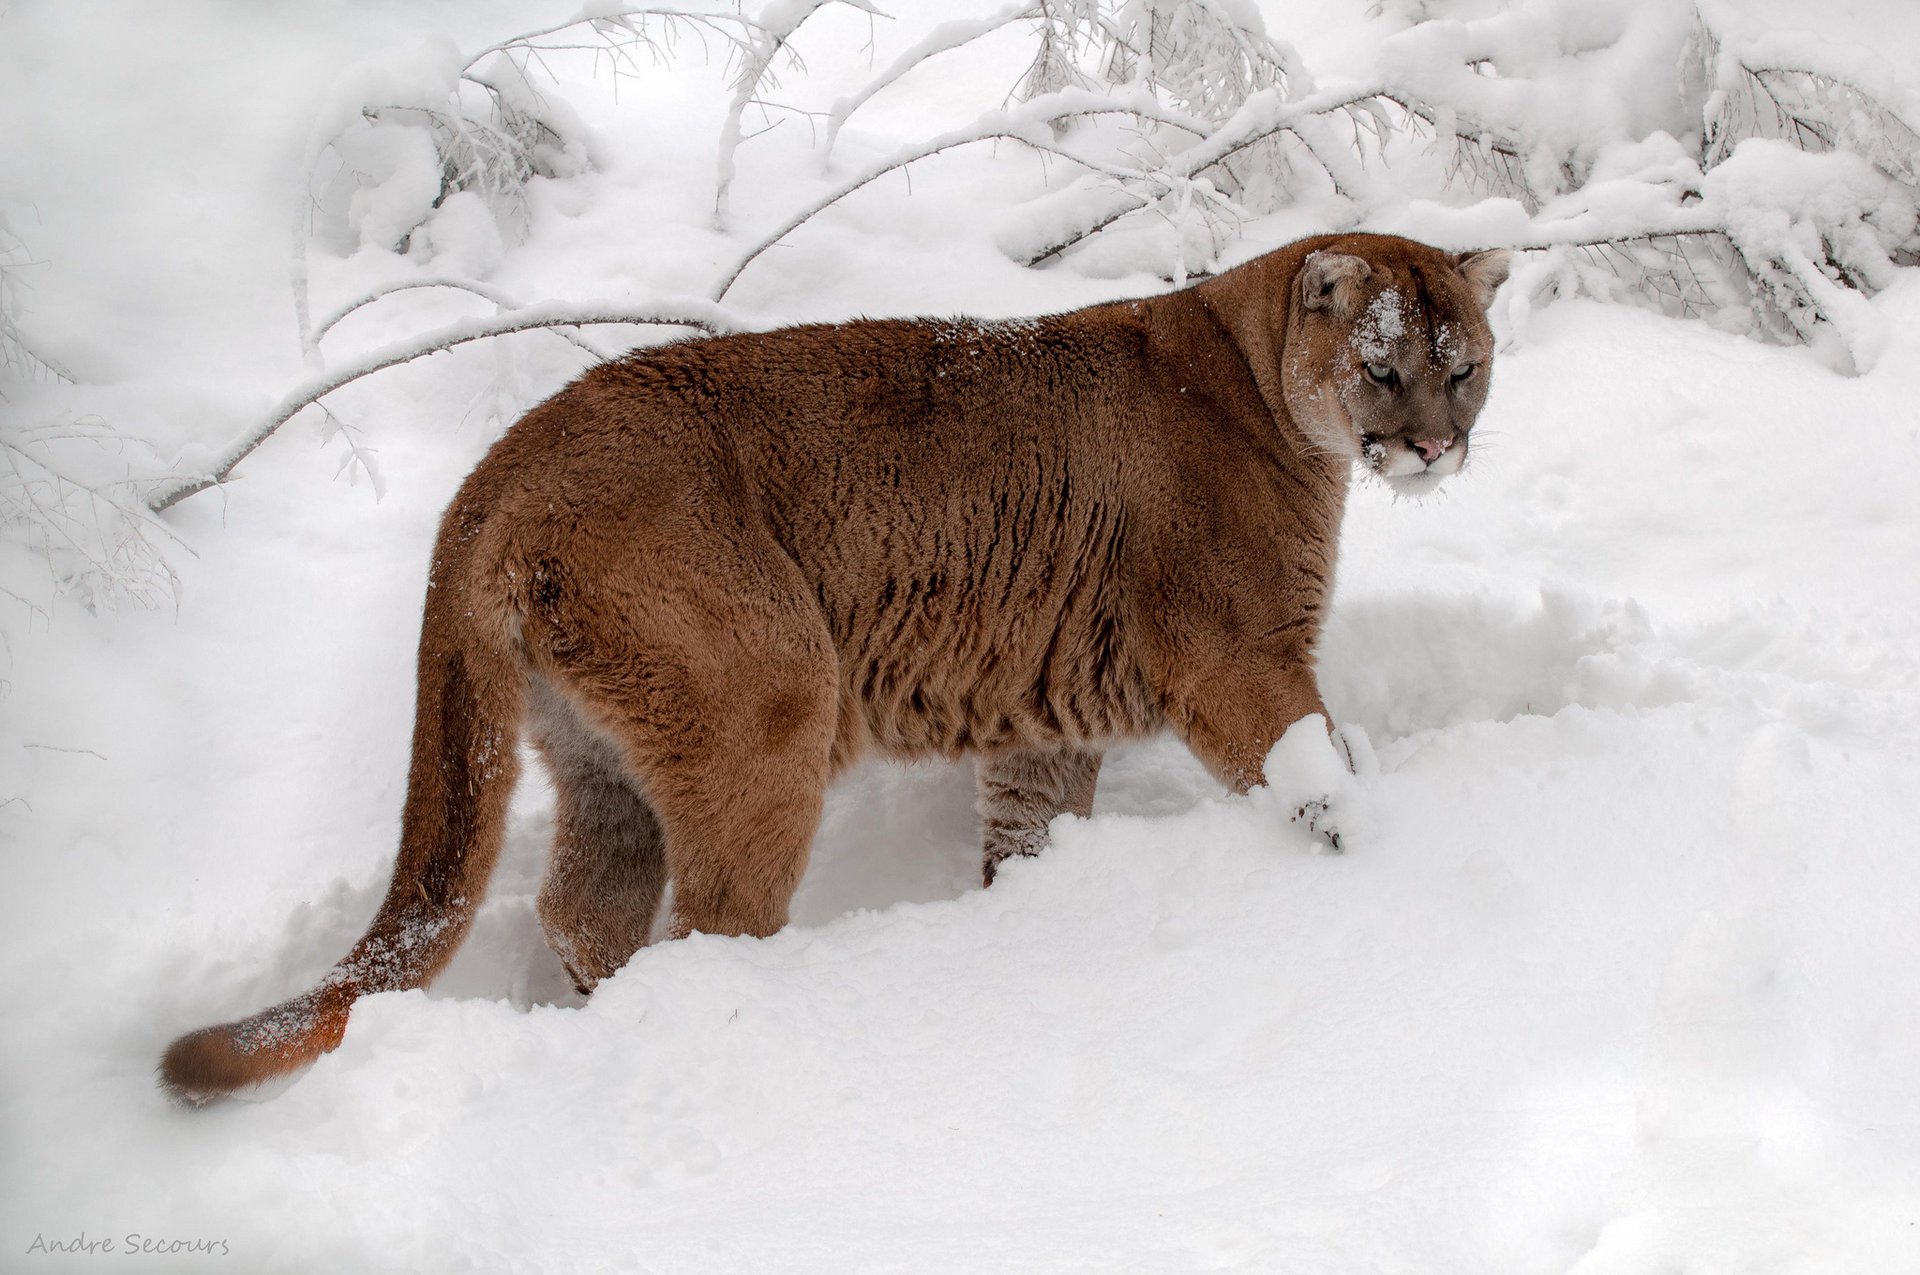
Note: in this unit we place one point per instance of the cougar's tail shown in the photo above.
(466, 727)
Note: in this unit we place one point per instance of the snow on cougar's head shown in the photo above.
(1391, 356)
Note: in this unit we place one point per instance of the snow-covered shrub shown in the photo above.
(392, 171)
(1791, 197)
(72, 521)
(1655, 149)
(485, 128)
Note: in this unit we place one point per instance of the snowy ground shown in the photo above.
(1619, 975)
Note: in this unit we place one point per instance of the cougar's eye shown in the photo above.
(1382, 373)
(1464, 372)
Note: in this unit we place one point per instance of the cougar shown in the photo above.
(706, 577)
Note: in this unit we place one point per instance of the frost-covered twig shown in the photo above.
(26, 362)
(768, 41)
(360, 460)
(1065, 28)
(91, 533)
(620, 27)
(16, 355)
(56, 748)
(97, 539)
(690, 313)
(1491, 156)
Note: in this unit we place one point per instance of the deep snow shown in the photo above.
(1619, 973)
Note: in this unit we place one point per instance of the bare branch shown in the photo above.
(15, 350)
(55, 748)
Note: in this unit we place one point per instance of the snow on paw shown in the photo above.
(1315, 775)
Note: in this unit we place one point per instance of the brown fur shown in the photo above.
(711, 575)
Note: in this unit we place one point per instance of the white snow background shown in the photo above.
(1620, 973)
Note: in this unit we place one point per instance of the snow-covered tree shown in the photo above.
(1647, 150)
(1656, 150)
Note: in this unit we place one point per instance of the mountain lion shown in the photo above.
(706, 577)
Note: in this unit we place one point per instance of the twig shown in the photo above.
(55, 748)
(617, 16)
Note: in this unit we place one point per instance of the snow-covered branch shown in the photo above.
(1028, 123)
(765, 44)
(688, 313)
(486, 292)
(942, 39)
(1263, 116)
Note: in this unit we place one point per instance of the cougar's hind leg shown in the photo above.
(714, 675)
(608, 866)
(1019, 793)
(741, 820)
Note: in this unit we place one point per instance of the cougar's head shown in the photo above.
(1388, 354)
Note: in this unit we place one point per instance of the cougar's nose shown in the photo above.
(1432, 449)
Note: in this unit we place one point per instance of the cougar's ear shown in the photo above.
(1331, 281)
(1484, 272)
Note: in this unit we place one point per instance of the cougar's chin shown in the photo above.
(1413, 484)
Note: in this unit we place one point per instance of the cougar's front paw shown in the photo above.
(1319, 819)
(1318, 779)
